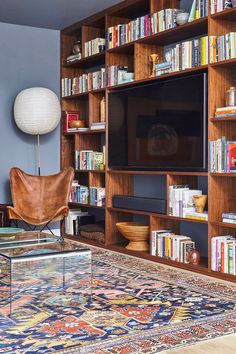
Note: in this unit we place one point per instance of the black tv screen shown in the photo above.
(159, 126)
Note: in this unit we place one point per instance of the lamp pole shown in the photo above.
(38, 155)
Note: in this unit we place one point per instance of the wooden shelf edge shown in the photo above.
(83, 94)
(224, 224)
(222, 174)
(92, 171)
(156, 78)
(173, 173)
(86, 60)
(223, 63)
(80, 205)
(95, 131)
(161, 216)
(224, 13)
(224, 119)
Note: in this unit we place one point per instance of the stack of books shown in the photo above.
(84, 83)
(229, 217)
(88, 160)
(199, 9)
(223, 254)
(187, 54)
(197, 216)
(222, 47)
(181, 201)
(224, 112)
(97, 196)
(95, 46)
(222, 156)
(98, 125)
(115, 74)
(219, 5)
(166, 244)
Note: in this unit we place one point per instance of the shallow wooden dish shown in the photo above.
(137, 233)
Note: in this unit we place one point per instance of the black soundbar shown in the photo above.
(153, 205)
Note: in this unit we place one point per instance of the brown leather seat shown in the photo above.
(39, 200)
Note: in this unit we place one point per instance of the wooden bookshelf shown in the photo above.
(221, 75)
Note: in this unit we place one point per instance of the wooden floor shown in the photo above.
(222, 345)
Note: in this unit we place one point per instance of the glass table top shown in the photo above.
(36, 244)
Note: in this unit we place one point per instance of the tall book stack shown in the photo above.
(199, 9)
(79, 193)
(223, 254)
(223, 156)
(97, 196)
(222, 47)
(185, 55)
(84, 83)
(166, 244)
(95, 46)
(219, 5)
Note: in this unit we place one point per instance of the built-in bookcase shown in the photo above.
(221, 187)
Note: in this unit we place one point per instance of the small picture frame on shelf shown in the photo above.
(69, 116)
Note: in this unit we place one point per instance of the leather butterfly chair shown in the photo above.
(39, 200)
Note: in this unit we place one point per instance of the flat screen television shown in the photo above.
(159, 126)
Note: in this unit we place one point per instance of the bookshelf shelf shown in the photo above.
(88, 62)
(136, 56)
(229, 14)
(97, 131)
(171, 173)
(92, 171)
(83, 94)
(224, 224)
(224, 63)
(224, 119)
(164, 76)
(161, 216)
(80, 205)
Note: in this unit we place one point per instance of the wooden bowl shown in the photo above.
(76, 124)
(137, 233)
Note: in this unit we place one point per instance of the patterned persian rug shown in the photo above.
(136, 307)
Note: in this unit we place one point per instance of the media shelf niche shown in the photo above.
(135, 55)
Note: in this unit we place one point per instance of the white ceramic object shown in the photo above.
(182, 18)
(37, 110)
(128, 76)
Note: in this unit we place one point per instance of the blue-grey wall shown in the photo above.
(29, 57)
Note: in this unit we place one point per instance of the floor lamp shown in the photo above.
(37, 111)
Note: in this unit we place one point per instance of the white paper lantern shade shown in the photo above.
(37, 111)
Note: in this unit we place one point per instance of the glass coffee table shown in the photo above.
(35, 263)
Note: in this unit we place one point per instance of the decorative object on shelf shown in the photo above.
(182, 18)
(154, 60)
(103, 109)
(37, 111)
(137, 233)
(128, 77)
(200, 202)
(231, 96)
(229, 3)
(77, 124)
(76, 49)
(194, 257)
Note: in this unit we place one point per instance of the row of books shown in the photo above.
(219, 5)
(89, 160)
(95, 46)
(223, 254)
(167, 245)
(184, 55)
(222, 47)
(87, 195)
(199, 9)
(223, 112)
(84, 83)
(222, 156)
(229, 218)
(181, 202)
(115, 74)
(141, 27)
